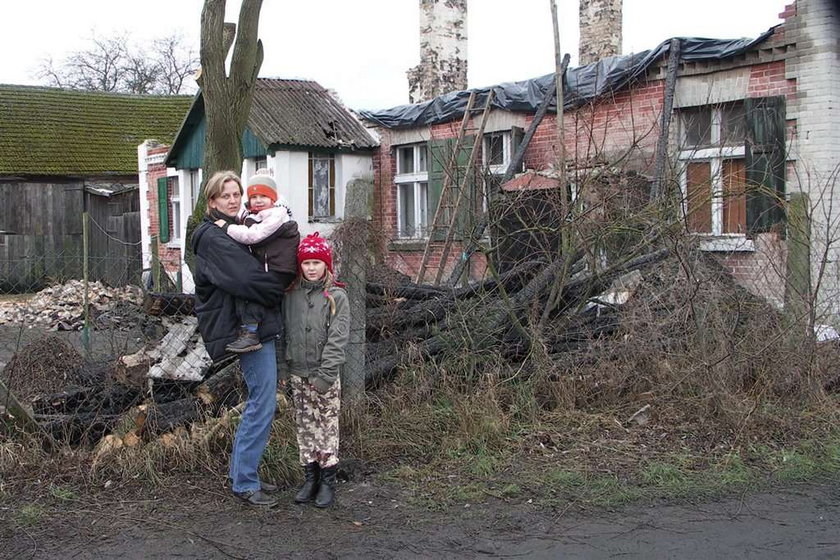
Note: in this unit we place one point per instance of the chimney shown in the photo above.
(600, 30)
(443, 50)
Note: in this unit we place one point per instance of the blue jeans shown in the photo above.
(260, 371)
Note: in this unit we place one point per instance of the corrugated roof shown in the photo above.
(51, 131)
(303, 113)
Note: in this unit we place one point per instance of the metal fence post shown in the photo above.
(85, 274)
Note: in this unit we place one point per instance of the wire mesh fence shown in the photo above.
(592, 303)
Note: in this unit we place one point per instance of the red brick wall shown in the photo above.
(170, 257)
(761, 271)
(623, 127)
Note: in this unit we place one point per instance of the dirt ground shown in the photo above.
(196, 520)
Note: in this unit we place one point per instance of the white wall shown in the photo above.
(143, 167)
(816, 149)
(291, 172)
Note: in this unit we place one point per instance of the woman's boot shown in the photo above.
(326, 487)
(308, 491)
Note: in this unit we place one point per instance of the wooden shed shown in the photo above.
(63, 154)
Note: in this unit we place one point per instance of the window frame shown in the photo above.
(715, 154)
(193, 177)
(174, 192)
(416, 178)
(500, 168)
(333, 214)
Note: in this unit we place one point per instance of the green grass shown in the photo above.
(663, 475)
(29, 515)
(61, 493)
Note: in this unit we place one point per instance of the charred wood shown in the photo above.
(164, 417)
(77, 427)
(111, 399)
(168, 303)
(222, 388)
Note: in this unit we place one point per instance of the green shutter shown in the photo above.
(440, 152)
(765, 162)
(438, 155)
(163, 209)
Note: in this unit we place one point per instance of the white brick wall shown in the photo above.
(815, 65)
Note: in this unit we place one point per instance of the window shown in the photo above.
(497, 152)
(321, 186)
(412, 184)
(194, 182)
(713, 172)
(175, 205)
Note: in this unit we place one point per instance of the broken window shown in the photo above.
(321, 186)
(497, 149)
(412, 187)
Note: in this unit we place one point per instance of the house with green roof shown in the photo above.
(297, 130)
(64, 153)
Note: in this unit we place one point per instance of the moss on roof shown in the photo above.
(50, 131)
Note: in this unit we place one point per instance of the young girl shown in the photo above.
(317, 320)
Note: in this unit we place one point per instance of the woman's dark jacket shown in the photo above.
(224, 271)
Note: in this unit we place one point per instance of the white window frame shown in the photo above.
(416, 179)
(175, 210)
(498, 169)
(193, 179)
(716, 240)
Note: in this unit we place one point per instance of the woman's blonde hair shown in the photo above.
(216, 184)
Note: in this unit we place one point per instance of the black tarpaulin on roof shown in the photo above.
(582, 84)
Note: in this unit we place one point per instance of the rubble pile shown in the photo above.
(61, 307)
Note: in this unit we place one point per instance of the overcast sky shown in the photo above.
(362, 48)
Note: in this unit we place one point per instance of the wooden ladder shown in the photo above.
(447, 210)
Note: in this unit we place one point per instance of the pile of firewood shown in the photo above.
(61, 307)
(494, 314)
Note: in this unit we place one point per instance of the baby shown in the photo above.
(273, 237)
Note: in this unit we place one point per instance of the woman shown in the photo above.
(225, 271)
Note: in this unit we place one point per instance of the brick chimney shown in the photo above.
(443, 50)
(600, 30)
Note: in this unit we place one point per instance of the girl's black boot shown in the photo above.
(326, 488)
(309, 490)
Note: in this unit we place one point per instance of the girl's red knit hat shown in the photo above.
(315, 247)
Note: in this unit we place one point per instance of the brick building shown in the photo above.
(759, 112)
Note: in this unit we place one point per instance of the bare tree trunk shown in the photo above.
(13, 415)
(227, 97)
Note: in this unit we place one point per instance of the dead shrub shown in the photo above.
(47, 364)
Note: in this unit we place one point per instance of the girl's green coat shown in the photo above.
(315, 338)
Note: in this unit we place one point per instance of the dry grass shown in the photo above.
(728, 385)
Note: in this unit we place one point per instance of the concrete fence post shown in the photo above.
(353, 266)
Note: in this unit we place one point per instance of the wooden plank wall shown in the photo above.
(41, 236)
